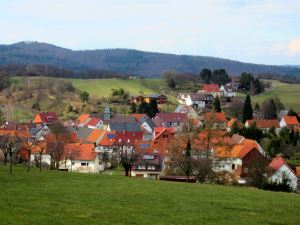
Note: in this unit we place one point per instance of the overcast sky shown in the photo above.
(259, 31)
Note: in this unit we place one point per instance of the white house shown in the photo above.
(196, 100)
(280, 171)
(227, 90)
(289, 121)
(95, 123)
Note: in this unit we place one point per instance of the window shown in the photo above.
(233, 167)
(84, 164)
(145, 145)
(151, 167)
(141, 167)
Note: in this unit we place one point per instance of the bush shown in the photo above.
(274, 186)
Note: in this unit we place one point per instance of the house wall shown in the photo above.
(146, 174)
(92, 167)
(282, 123)
(46, 159)
(285, 172)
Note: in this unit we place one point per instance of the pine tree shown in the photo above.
(153, 108)
(172, 83)
(247, 111)
(133, 107)
(217, 105)
(235, 128)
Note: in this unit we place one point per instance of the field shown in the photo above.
(102, 87)
(289, 94)
(50, 197)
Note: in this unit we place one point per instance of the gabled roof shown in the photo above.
(150, 123)
(108, 139)
(211, 88)
(263, 124)
(215, 117)
(93, 122)
(120, 127)
(158, 131)
(47, 117)
(139, 116)
(95, 135)
(83, 132)
(232, 121)
(228, 88)
(123, 119)
(85, 151)
(278, 162)
(291, 120)
(200, 96)
(83, 118)
(172, 117)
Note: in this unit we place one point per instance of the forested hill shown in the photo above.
(126, 61)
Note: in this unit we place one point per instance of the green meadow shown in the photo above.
(51, 197)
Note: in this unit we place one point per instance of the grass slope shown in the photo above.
(289, 94)
(102, 87)
(62, 198)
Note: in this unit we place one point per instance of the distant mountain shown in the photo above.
(127, 61)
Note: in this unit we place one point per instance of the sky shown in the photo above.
(258, 31)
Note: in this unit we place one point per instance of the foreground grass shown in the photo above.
(62, 198)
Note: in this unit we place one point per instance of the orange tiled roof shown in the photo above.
(108, 139)
(261, 123)
(232, 121)
(85, 151)
(211, 88)
(291, 120)
(95, 135)
(236, 151)
(83, 118)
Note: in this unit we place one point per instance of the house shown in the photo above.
(160, 98)
(106, 144)
(196, 100)
(280, 170)
(231, 122)
(264, 125)
(289, 121)
(238, 159)
(95, 136)
(227, 91)
(216, 119)
(175, 120)
(148, 125)
(83, 119)
(41, 131)
(45, 117)
(162, 138)
(147, 166)
(124, 127)
(212, 89)
(85, 160)
(188, 110)
(95, 123)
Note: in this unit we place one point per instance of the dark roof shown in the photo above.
(131, 127)
(150, 123)
(200, 97)
(83, 132)
(155, 95)
(123, 119)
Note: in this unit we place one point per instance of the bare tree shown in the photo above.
(41, 147)
(69, 154)
(12, 146)
(127, 156)
(29, 144)
(3, 142)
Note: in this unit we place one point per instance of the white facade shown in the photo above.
(282, 123)
(84, 166)
(227, 92)
(284, 172)
(46, 159)
(187, 100)
(99, 125)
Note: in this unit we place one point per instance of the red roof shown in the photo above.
(211, 88)
(93, 122)
(172, 117)
(160, 130)
(260, 123)
(47, 117)
(85, 151)
(129, 138)
(291, 120)
(277, 163)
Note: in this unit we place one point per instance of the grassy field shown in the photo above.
(62, 198)
(289, 94)
(102, 87)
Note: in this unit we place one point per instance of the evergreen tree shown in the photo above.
(217, 105)
(205, 75)
(247, 110)
(143, 108)
(153, 108)
(269, 109)
(133, 107)
(235, 128)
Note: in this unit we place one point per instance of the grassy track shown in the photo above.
(63, 198)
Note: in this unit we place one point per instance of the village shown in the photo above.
(198, 142)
